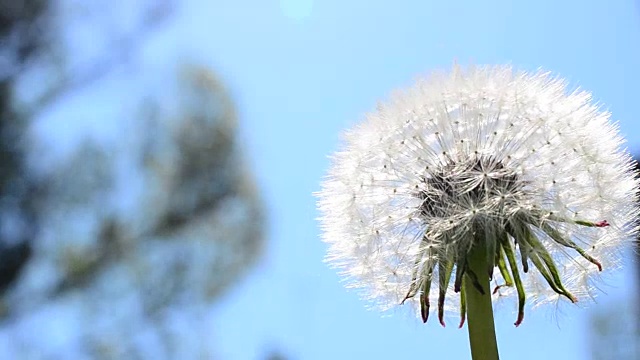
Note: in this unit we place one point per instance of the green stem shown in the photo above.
(482, 333)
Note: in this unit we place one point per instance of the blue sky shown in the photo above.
(303, 71)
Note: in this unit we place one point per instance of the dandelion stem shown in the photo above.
(482, 334)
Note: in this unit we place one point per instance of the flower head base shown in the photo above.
(490, 159)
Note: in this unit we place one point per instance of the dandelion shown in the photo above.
(475, 186)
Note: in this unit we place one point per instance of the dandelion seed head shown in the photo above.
(479, 156)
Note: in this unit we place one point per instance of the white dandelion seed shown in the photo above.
(483, 157)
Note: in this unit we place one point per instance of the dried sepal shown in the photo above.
(562, 240)
(463, 305)
(502, 266)
(444, 276)
(511, 258)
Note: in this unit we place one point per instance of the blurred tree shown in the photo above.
(114, 240)
(21, 37)
(614, 334)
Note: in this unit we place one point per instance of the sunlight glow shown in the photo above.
(296, 9)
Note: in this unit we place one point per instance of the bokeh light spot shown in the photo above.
(296, 9)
